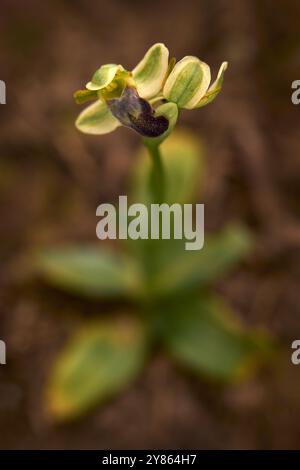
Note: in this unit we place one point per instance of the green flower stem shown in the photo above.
(157, 175)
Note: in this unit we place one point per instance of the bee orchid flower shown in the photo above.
(146, 99)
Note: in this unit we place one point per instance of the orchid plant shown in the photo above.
(166, 293)
(147, 99)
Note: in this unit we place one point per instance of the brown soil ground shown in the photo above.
(51, 180)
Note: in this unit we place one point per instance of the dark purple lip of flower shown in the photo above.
(136, 113)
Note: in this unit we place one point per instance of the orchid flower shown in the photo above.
(146, 99)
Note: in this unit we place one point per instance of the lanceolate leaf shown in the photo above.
(99, 361)
(89, 271)
(181, 269)
(201, 333)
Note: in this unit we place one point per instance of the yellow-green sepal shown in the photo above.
(103, 76)
(215, 88)
(150, 72)
(187, 83)
(97, 119)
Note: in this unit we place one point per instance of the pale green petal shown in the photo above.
(82, 96)
(215, 88)
(150, 73)
(103, 76)
(188, 82)
(97, 119)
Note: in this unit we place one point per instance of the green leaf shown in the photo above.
(151, 71)
(103, 76)
(97, 119)
(201, 334)
(82, 96)
(178, 269)
(89, 271)
(100, 360)
(182, 158)
(187, 83)
(214, 89)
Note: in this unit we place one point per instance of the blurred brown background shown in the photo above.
(52, 179)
